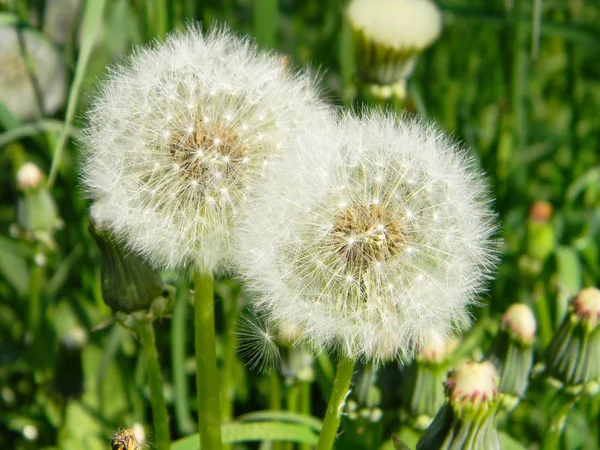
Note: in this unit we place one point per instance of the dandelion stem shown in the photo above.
(157, 397)
(207, 377)
(556, 425)
(341, 386)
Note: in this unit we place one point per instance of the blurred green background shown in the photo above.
(517, 81)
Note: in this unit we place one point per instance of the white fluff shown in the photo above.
(400, 24)
(418, 262)
(178, 136)
(48, 69)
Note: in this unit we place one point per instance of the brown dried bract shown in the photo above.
(125, 440)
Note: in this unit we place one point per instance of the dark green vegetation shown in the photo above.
(517, 81)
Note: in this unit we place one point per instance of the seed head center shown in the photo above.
(366, 235)
(209, 151)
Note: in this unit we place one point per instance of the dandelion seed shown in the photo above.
(383, 275)
(178, 99)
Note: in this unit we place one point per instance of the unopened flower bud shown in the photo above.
(540, 232)
(423, 383)
(388, 37)
(513, 352)
(128, 284)
(29, 176)
(36, 209)
(467, 419)
(572, 356)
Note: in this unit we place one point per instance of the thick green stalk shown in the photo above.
(341, 385)
(157, 397)
(207, 376)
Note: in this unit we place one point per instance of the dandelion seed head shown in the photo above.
(17, 90)
(193, 120)
(371, 278)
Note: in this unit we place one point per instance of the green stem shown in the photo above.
(275, 402)
(305, 405)
(178, 350)
(341, 386)
(207, 376)
(553, 434)
(35, 301)
(157, 396)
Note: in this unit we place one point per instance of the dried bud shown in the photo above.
(467, 419)
(572, 356)
(540, 232)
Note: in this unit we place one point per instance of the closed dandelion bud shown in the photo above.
(36, 209)
(179, 136)
(540, 232)
(572, 356)
(19, 83)
(369, 239)
(467, 419)
(513, 352)
(128, 284)
(423, 388)
(388, 37)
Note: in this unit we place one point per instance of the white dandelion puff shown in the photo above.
(258, 343)
(18, 83)
(372, 239)
(179, 134)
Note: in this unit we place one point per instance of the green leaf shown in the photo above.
(13, 266)
(283, 416)
(509, 443)
(254, 432)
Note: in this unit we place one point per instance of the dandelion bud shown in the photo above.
(128, 284)
(423, 382)
(513, 352)
(540, 232)
(572, 356)
(21, 85)
(36, 209)
(388, 36)
(179, 136)
(467, 419)
(369, 240)
(29, 176)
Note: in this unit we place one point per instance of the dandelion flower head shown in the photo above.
(179, 134)
(18, 83)
(372, 241)
(400, 24)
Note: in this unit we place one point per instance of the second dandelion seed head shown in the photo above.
(371, 239)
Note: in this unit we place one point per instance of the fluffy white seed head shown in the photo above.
(401, 24)
(370, 240)
(17, 88)
(179, 135)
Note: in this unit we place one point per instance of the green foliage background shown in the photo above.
(518, 81)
